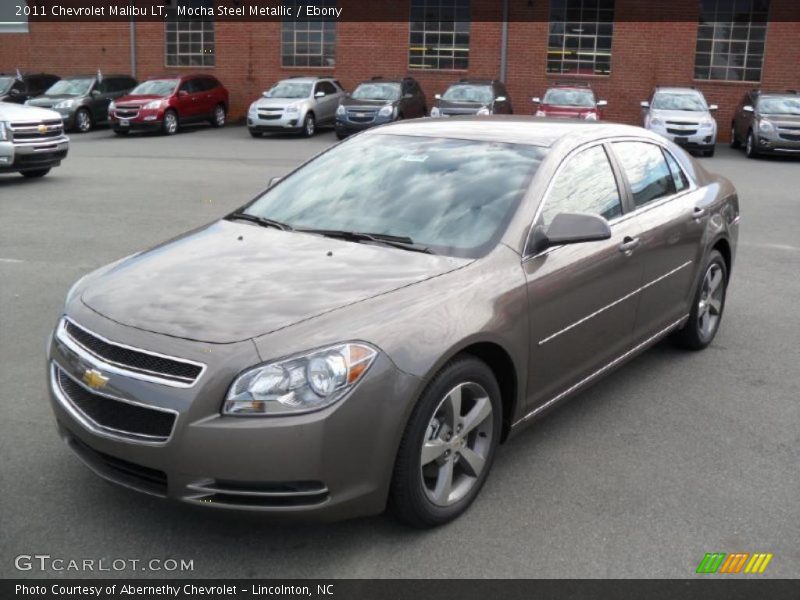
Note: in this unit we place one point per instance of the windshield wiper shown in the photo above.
(263, 221)
(395, 241)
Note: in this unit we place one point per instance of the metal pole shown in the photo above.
(504, 43)
(133, 45)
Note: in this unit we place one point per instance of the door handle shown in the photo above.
(698, 213)
(628, 245)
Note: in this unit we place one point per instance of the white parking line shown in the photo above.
(11, 260)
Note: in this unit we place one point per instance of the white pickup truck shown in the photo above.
(32, 140)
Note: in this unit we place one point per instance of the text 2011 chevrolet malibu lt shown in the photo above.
(370, 328)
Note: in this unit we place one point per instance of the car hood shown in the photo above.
(230, 281)
(459, 108)
(139, 100)
(782, 120)
(278, 102)
(48, 101)
(688, 116)
(19, 112)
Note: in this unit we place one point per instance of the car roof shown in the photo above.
(679, 90)
(307, 78)
(474, 82)
(511, 129)
(94, 76)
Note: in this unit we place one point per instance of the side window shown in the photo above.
(104, 86)
(338, 85)
(586, 184)
(679, 178)
(188, 86)
(327, 87)
(646, 169)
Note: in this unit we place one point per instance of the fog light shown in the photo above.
(150, 118)
(4, 160)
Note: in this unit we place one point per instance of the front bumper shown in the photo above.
(332, 464)
(774, 144)
(291, 122)
(20, 157)
(701, 140)
(349, 127)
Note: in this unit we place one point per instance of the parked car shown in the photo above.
(767, 123)
(19, 87)
(473, 97)
(297, 105)
(572, 100)
(83, 100)
(370, 327)
(683, 116)
(167, 103)
(32, 140)
(380, 101)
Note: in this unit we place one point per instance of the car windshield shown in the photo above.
(454, 197)
(70, 87)
(476, 94)
(688, 102)
(289, 89)
(559, 97)
(784, 105)
(377, 91)
(5, 84)
(155, 87)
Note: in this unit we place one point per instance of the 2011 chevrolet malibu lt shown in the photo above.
(370, 328)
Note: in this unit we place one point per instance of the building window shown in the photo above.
(730, 39)
(439, 34)
(580, 37)
(9, 21)
(189, 41)
(308, 42)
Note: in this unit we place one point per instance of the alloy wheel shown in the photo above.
(170, 123)
(457, 443)
(219, 116)
(712, 294)
(310, 125)
(83, 121)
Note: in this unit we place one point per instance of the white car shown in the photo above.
(32, 140)
(682, 116)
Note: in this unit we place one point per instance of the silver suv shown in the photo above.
(297, 104)
(683, 116)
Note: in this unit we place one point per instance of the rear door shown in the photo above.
(668, 211)
(582, 296)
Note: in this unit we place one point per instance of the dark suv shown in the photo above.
(767, 122)
(473, 97)
(18, 88)
(82, 100)
(380, 101)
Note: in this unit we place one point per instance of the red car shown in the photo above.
(166, 103)
(571, 101)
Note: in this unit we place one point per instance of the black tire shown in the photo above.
(309, 126)
(35, 174)
(340, 136)
(408, 500)
(735, 143)
(255, 134)
(709, 153)
(692, 336)
(83, 121)
(750, 149)
(167, 127)
(121, 132)
(219, 116)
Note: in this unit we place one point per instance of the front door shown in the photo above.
(582, 297)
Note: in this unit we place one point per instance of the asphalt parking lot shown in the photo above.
(670, 457)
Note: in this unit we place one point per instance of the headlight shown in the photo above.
(292, 109)
(483, 111)
(153, 105)
(656, 122)
(766, 126)
(3, 131)
(253, 108)
(300, 384)
(112, 106)
(435, 112)
(540, 113)
(341, 111)
(590, 116)
(65, 104)
(706, 124)
(386, 111)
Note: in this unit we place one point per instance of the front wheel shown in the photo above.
(254, 133)
(218, 118)
(309, 126)
(750, 145)
(170, 124)
(83, 121)
(35, 174)
(448, 445)
(735, 144)
(707, 306)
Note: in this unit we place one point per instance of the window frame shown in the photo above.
(446, 51)
(294, 26)
(597, 24)
(176, 23)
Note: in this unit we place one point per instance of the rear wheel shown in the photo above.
(255, 134)
(170, 124)
(735, 143)
(707, 307)
(35, 174)
(309, 125)
(83, 121)
(448, 445)
(218, 118)
(750, 145)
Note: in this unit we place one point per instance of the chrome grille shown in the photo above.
(133, 361)
(114, 416)
(361, 115)
(127, 112)
(44, 131)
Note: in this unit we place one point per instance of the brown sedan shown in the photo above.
(372, 326)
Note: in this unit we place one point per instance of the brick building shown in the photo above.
(623, 47)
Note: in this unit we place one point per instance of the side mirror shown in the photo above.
(644, 104)
(319, 94)
(438, 96)
(14, 92)
(407, 96)
(569, 228)
(183, 93)
(273, 181)
(713, 107)
(265, 94)
(602, 103)
(96, 93)
(500, 99)
(536, 100)
(749, 109)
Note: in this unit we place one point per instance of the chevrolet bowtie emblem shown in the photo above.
(95, 379)
(42, 129)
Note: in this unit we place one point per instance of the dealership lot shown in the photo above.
(670, 457)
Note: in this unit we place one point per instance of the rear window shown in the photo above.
(646, 169)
